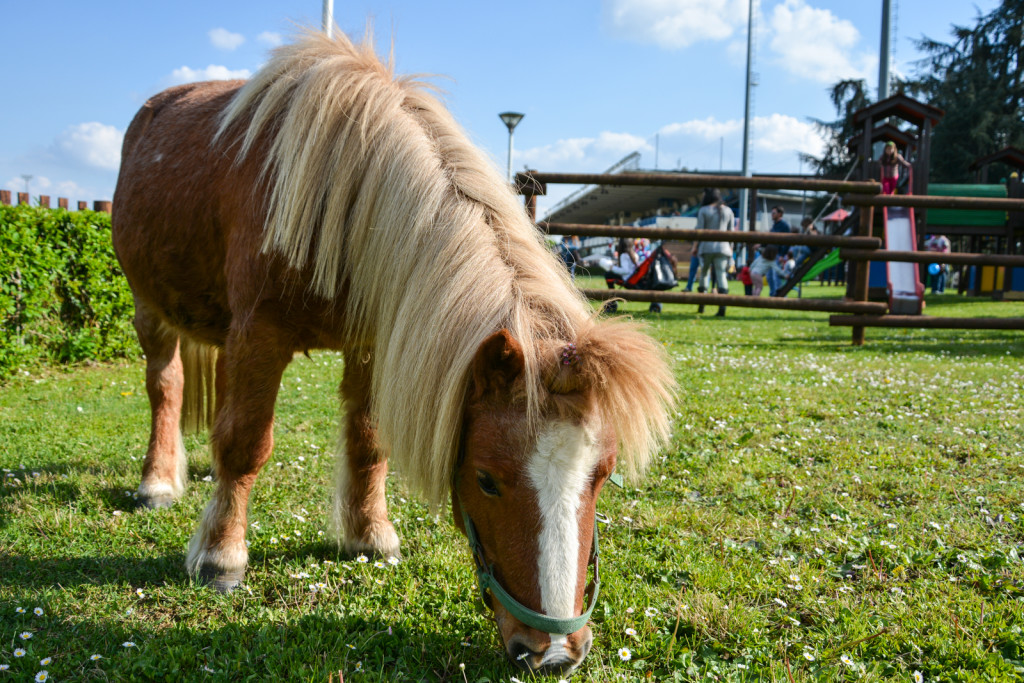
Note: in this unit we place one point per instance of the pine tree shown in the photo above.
(977, 79)
(847, 97)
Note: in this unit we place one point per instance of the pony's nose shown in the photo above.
(558, 656)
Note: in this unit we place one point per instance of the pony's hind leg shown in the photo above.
(165, 468)
(251, 365)
(360, 507)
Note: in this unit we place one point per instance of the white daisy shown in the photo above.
(917, 676)
(127, 643)
(624, 654)
(26, 635)
(38, 611)
(362, 559)
(20, 652)
(42, 676)
(96, 657)
(45, 661)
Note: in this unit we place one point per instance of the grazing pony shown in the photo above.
(327, 203)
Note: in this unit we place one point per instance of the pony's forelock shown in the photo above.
(377, 190)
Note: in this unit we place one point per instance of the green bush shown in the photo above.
(63, 297)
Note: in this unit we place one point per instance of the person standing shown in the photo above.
(714, 215)
(778, 225)
(938, 244)
(891, 161)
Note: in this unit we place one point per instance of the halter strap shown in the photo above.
(542, 622)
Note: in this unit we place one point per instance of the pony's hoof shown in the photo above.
(219, 580)
(156, 502)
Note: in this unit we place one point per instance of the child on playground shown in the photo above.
(744, 277)
(764, 262)
(891, 161)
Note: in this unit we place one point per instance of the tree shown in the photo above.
(977, 79)
(847, 96)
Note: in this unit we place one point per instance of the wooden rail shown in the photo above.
(587, 230)
(538, 181)
(927, 322)
(932, 257)
(935, 202)
(872, 309)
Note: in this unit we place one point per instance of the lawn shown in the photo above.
(824, 512)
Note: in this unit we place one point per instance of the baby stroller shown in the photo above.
(656, 272)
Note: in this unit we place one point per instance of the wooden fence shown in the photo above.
(62, 202)
(859, 249)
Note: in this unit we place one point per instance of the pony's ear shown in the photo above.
(499, 361)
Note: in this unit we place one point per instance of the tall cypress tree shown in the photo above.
(847, 97)
(977, 79)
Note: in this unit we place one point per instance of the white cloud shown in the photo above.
(815, 44)
(225, 39)
(775, 134)
(213, 72)
(675, 24)
(781, 133)
(93, 144)
(582, 153)
(43, 185)
(709, 128)
(270, 38)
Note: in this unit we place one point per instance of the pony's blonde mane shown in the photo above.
(378, 191)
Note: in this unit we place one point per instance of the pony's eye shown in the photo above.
(487, 484)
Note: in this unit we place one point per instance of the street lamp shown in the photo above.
(511, 120)
(27, 177)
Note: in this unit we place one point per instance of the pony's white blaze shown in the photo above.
(559, 470)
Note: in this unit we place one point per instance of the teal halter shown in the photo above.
(542, 622)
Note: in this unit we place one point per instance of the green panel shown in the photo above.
(939, 217)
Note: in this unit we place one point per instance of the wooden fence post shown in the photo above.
(44, 201)
(62, 202)
(22, 198)
(861, 270)
(82, 206)
(103, 206)
(5, 197)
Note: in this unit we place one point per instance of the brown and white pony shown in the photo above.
(327, 203)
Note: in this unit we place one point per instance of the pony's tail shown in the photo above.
(199, 362)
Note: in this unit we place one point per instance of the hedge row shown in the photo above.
(63, 297)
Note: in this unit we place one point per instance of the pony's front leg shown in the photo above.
(253, 363)
(360, 506)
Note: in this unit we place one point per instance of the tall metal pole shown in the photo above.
(511, 119)
(509, 173)
(883, 52)
(328, 17)
(746, 117)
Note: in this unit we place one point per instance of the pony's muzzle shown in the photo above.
(544, 653)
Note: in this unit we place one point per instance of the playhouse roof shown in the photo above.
(1011, 156)
(902, 106)
(885, 132)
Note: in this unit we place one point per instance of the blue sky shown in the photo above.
(596, 80)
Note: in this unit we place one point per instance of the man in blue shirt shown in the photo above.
(778, 225)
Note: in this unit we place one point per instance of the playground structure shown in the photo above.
(972, 230)
(859, 249)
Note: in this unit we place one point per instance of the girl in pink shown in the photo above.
(891, 161)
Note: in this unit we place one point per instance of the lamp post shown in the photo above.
(27, 177)
(511, 120)
(328, 17)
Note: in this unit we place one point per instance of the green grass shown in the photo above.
(818, 502)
